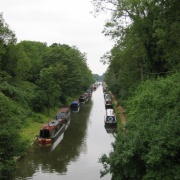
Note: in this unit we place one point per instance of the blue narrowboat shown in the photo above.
(75, 106)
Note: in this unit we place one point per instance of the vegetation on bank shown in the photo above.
(35, 80)
(150, 144)
(30, 130)
(143, 74)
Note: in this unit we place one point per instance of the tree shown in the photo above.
(11, 144)
(148, 146)
(7, 38)
(77, 76)
(49, 87)
(34, 52)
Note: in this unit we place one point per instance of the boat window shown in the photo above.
(110, 119)
(44, 133)
(74, 105)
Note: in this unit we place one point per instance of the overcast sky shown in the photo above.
(60, 21)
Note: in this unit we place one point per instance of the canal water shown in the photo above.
(75, 154)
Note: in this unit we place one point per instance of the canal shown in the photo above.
(75, 154)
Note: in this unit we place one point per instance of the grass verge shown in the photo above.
(33, 124)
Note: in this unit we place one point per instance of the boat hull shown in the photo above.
(75, 109)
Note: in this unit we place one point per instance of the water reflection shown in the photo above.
(75, 154)
(111, 129)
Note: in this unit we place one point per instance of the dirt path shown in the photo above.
(122, 116)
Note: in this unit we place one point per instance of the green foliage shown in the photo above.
(77, 75)
(49, 87)
(149, 145)
(34, 52)
(20, 92)
(10, 142)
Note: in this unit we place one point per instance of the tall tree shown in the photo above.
(49, 87)
(34, 52)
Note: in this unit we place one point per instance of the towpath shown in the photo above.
(122, 116)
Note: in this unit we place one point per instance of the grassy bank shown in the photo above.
(33, 124)
(116, 110)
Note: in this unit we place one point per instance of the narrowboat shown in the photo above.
(50, 131)
(104, 90)
(64, 113)
(110, 118)
(83, 98)
(75, 106)
(53, 129)
(108, 104)
(89, 93)
(87, 96)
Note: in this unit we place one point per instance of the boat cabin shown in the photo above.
(50, 131)
(89, 92)
(63, 113)
(108, 104)
(107, 96)
(110, 117)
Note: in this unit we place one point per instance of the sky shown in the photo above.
(60, 21)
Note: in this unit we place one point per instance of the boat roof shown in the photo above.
(88, 90)
(109, 112)
(51, 124)
(63, 109)
(75, 102)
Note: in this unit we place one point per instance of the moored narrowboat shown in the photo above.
(83, 98)
(104, 89)
(89, 93)
(108, 104)
(53, 129)
(50, 131)
(75, 106)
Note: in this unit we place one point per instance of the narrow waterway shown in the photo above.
(75, 154)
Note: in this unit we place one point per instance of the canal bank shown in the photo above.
(120, 109)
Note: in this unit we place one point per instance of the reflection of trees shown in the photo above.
(111, 130)
(68, 150)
